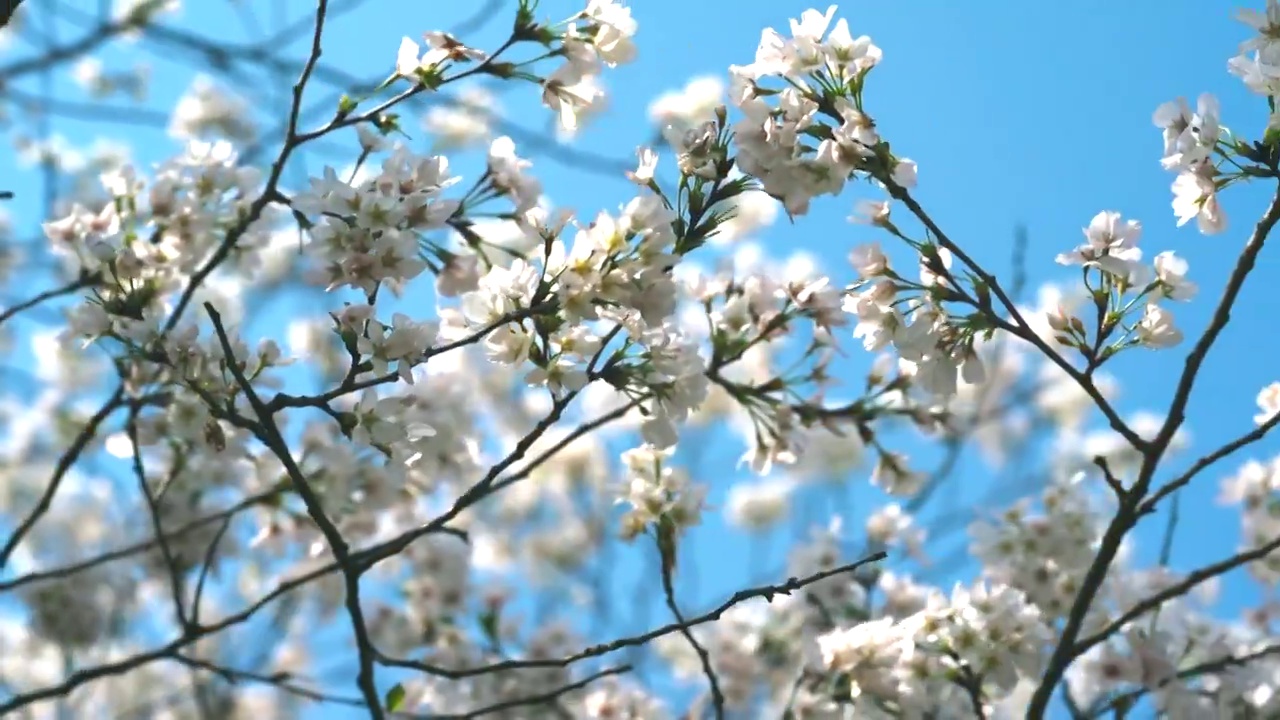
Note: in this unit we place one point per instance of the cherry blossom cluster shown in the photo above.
(1111, 259)
(366, 234)
(916, 651)
(147, 245)
(1256, 488)
(1044, 555)
(826, 77)
(935, 349)
(598, 37)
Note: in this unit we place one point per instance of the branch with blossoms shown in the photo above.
(767, 592)
(1121, 702)
(123, 300)
(829, 80)
(210, 387)
(444, 469)
(1152, 451)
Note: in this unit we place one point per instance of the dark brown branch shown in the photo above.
(7, 9)
(270, 436)
(1128, 514)
(768, 592)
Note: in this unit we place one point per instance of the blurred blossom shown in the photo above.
(693, 104)
(208, 109)
(758, 505)
(463, 123)
(748, 214)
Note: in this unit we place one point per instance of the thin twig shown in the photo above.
(1174, 485)
(72, 287)
(1178, 589)
(1205, 668)
(768, 592)
(539, 699)
(60, 470)
(704, 658)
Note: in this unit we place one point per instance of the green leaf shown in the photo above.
(395, 698)
(489, 624)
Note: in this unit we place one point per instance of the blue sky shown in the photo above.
(1035, 114)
